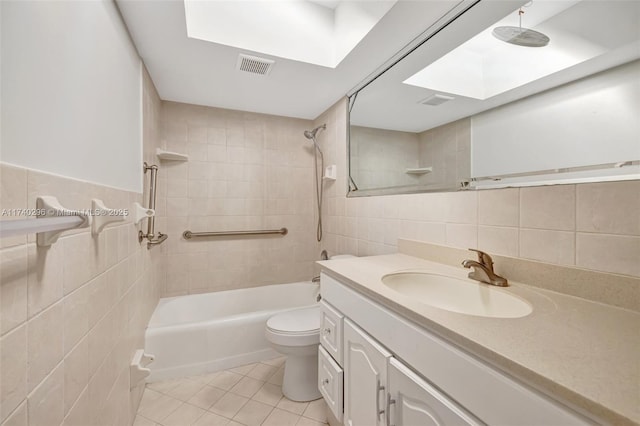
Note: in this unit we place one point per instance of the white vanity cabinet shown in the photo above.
(381, 391)
(365, 378)
(397, 373)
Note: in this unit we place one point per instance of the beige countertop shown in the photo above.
(583, 353)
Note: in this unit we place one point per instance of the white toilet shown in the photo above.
(296, 334)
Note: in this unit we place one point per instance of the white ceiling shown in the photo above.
(298, 30)
(203, 73)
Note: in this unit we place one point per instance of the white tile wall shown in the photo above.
(72, 314)
(67, 330)
(245, 171)
(593, 226)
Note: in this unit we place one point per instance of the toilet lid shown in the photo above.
(296, 321)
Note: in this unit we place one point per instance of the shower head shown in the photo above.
(311, 134)
(521, 36)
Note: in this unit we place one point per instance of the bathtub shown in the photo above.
(202, 333)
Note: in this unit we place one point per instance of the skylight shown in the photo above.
(320, 32)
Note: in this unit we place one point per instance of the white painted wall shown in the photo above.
(71, 92)
(586, 122)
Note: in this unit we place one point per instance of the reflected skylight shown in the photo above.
(484, 66)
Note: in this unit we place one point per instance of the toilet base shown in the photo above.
(300, 382)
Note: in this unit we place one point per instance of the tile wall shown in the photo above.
(72, 314)
(382, 156)
(594, 226)
(245, 171)
(447, 149)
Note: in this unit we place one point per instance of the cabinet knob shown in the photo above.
(325, 381)
(327, 330)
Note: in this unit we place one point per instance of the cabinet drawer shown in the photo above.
(330, 381)
(331, 331)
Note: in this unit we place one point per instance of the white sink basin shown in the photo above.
(457, 295)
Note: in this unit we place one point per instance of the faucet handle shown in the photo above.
(484, 258)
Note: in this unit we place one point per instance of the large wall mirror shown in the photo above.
(506, 93)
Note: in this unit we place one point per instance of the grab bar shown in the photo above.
(188, 234)
(151, 220)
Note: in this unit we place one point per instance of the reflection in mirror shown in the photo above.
(465, 109)
(388, 160)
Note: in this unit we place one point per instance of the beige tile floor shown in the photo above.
(250, 395)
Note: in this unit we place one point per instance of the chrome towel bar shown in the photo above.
(188, 234)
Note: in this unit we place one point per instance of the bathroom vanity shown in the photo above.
(386, 358)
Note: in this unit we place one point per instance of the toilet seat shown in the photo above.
(300, 327)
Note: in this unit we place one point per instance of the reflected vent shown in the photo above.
(436, 100)
(254, 64)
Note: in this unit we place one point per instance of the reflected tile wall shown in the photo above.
(593, 226)
(381, 157)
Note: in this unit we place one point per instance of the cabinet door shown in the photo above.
(365, 376)
(412, 401)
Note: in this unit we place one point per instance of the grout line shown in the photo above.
(575, 224)
(15, 410)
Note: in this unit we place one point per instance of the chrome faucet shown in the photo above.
(483, 270)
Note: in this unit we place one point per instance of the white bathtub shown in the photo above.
(201, 333)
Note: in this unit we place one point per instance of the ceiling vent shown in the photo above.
(435, 100)
(254, 64)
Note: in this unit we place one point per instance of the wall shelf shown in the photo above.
(171, 156)
(419, 171)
